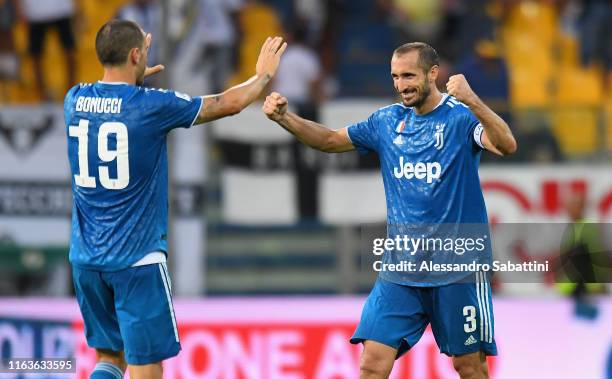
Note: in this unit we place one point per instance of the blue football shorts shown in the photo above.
(460, 314)
(129, 310)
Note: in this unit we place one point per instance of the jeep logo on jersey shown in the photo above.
(439, 136)
(419, 170)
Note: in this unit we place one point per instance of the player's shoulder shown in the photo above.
(455, 106)
(76, 89)
(456, 110)
(160, 98)
(163, 94)
(392, 111)
(74, 92)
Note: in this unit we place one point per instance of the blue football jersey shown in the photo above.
(118, 159)
(429, 166)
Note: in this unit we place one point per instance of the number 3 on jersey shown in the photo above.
(120, 154)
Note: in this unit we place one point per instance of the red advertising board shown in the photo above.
(307, 338)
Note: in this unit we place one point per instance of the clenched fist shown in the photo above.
(269, 56)
(275, 106)
(458, 87)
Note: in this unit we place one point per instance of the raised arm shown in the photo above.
(237, 98)
(497, 136)
(308, 132)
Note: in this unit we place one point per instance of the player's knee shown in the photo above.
(467, 368)
(484, 369)
(466, 371)
(114, 358)
(373, 366)
(376, 360)
(370, 370)
(148, 371)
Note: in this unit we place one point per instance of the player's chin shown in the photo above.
(411, 99)
(410, 103)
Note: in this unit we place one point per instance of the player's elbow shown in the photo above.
(326, 147)
(329, 144)
(509, 146)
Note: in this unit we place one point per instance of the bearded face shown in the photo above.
(416, 94)
(410, 80)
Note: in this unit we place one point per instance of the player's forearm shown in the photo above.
(243, 94)
(233, 100)
(497, 129)
(308, 132)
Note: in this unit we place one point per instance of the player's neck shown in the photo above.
(118, 75)
(430, 103)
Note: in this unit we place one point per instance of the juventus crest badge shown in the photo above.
(439, 136)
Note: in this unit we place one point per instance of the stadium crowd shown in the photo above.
(341, 49)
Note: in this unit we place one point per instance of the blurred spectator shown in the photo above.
(257, 21)
(299, 75)
(487, 72)
(595, 30)
(583, 260)
(538, 143)
(285, 10)
(42, 16)
(326, 44)
(299, 79)
(218, 25)
(465, 23)
(414, 20)
(147, 14)
(9, 67)
(314, 14)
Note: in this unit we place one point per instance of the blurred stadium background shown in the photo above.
(265, 234)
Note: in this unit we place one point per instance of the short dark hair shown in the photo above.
(115, 39)
(428, 57)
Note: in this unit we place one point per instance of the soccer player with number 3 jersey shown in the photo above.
(429, 147)
(116, 133)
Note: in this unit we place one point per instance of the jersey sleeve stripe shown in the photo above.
(199, 110)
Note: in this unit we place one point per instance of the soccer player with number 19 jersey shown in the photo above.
(116, 133)
(429, 147)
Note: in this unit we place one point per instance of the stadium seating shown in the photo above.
(576, 130)
(529, 54)
(92, 15)
(545, 69)
(546, 74)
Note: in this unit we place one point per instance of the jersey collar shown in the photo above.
(113, 83)
(444, 97)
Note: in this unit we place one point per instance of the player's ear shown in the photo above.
(135, 56)
(433, 73)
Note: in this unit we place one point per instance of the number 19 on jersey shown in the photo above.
(119, 154)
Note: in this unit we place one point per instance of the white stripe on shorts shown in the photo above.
(484, 329)
(487, 309)
(479, 305)
(167, 288)
(165, 266)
